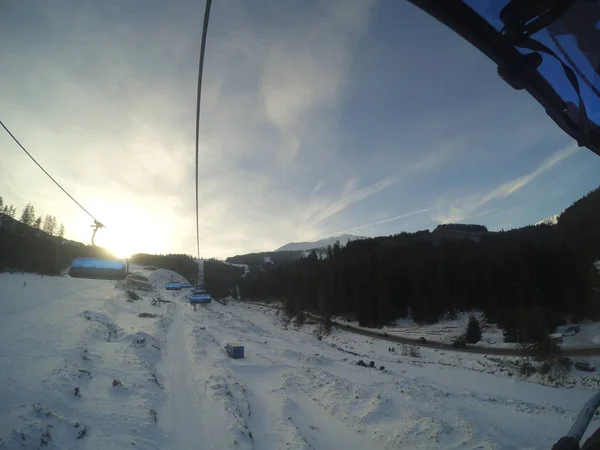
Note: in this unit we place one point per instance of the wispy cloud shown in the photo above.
(352, 195)
(318, 187)
(381, 222)
(304, 70)
(470, 207)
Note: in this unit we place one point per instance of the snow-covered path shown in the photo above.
(182, 409)
(83, 366)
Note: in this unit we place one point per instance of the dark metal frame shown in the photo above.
(517, 69)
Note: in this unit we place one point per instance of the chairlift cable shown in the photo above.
(96, 222)
(200, 70)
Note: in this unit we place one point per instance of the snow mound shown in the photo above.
(145, 345)
(105, 325)
(162, 276)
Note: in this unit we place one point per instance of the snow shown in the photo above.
(552, 220)
(588, 336)
(445, 331)
(243, 266)
(82, 369)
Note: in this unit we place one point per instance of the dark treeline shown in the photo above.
(546, 270)
(221, 279)
(258, 259)
(29, 249)
(184, 265)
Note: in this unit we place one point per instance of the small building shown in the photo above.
(235, 350)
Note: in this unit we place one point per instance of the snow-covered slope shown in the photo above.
(79, 365)
(82, 369)
(295, 246)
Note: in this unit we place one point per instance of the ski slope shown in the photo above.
(80, 369)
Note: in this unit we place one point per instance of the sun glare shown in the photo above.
(125, 233)
(125, 243)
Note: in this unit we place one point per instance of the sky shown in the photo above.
(318, 118)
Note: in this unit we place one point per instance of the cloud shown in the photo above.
(306, 67)
(301, 104)
(470, 207)
(352, 195)
(381, 222)
(318, 187)
(113, 105)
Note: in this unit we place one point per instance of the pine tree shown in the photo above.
(28, 215)
(61, 231)
(1, 205)
(49, 224)
(473, 334)
(11, 211)
(38, 223)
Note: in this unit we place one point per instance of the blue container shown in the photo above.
(173, 287)
(199, 298)
(235, 350)
(186, 285)
(98, 268)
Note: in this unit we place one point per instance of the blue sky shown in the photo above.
(318, 117)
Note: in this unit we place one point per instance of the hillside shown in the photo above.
(526, 277)
(26, 248)
(255, 260)
(323, 243)
(108, 370)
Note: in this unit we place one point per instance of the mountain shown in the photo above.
(295, 246)
(552, 220)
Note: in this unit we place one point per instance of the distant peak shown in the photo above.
(552, 220)
(343, 240)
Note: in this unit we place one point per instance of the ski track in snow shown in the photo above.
(177, 389)
(183, 411)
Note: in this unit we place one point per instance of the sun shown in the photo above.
(123, 242)
(132, 227)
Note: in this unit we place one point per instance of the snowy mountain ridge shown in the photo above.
(343, 239)
(552, 220)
